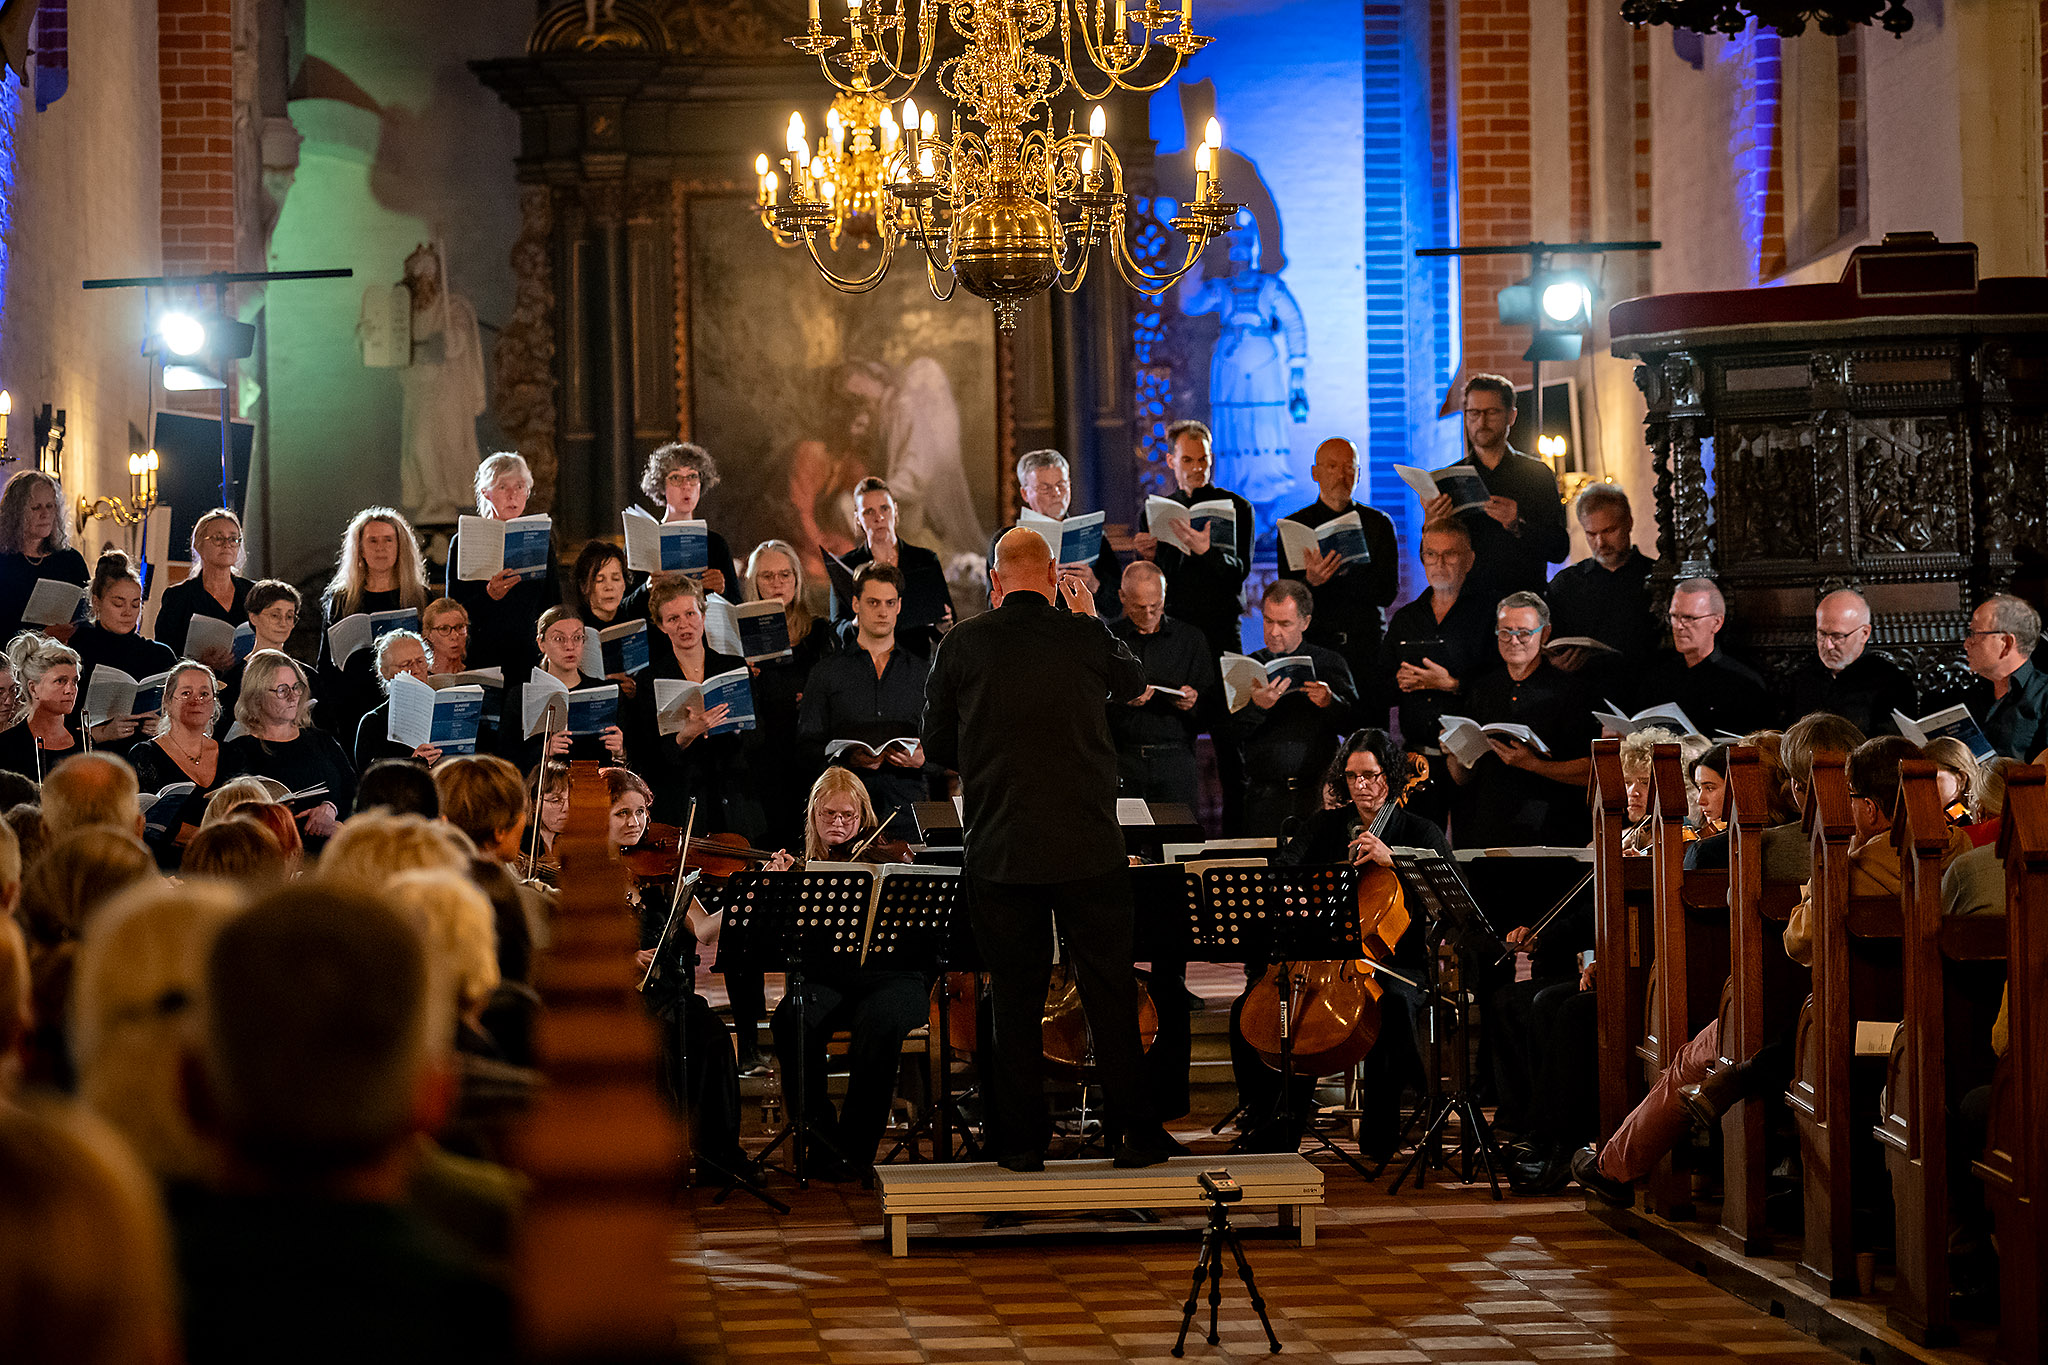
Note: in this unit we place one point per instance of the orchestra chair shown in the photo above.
(1622, 939)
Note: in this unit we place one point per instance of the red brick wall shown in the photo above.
(1493, 170)
(1639, 51)
(1578, 75)
(195, 68)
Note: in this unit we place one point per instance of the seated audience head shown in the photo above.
(32, 514)
(237, 849)
(316, 1082)
(275, 693)
(445, 625)
(1373, 770)
(25, 822)
(1873, 777)
(1044, 483)
(601, 578)
(676, 607)
(1521, 627)
(379, 546)
(1023, 563)
(17, 790)
(458, 927)
(2000, 640)
(877, 600)
(17, 1008)
(1284, 612)
(1143, 595)
(1820, 734)
(1638, 767)
(1841, 628)
(1446, 549)
(400, 651)
(676, 478)
(85, 1256)
(1696, 615)
(90, 789)
(1957, 771)
(559, 633)
(278, 821)
(116, 593)
(503, 484)
(191, 699)
(1770, 761)
(217, 541)
(273, 606)
(45, 674)
(1335, 470)
(1609, 523)
(1989, 798)
(1489, 412)
(230, 794)
(369, 850)
(75, 876)
(1190, 454)
(399, 786)
(482, 795)
(132, 995)
(839, 810)
(631, 799)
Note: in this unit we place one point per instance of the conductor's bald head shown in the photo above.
(1023, 564)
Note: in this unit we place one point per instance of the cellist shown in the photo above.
(1360, 822)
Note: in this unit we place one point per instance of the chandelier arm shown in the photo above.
(1116, 75)
(1151, 282)
(847, 284)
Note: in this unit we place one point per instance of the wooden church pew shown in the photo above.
(1622, 939)
(1952, 969)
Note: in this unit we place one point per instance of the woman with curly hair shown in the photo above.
(676, 478)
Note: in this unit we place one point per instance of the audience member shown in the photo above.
(400, 786)
(1846, 677)
(90, 789)
(60, 892)
(1606, 596)
(2010, 702)
(237, 849)
(1718, 693)
(17, 1013)
(1956, 777)
(229, 795)
(26, 821)
(1289, 731)
(374, 847)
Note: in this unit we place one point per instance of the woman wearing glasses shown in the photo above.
(212, 588)
(275, 709)
(676, 478)
(183, 749)
(446, 627)
(502, 610)
(273, 615)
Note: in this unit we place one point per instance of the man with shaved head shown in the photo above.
(1846, 677)
(1015, 703)
(1717, 691)
(1350, 598)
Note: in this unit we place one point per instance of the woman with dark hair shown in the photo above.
(676, 480)
(1707, 842)
(111, 638)
(602, 599)
(273, 614)
(33, 546)
(211, 588)
(560, 637)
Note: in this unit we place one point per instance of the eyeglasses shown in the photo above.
(1838, 637)
(459, 628)
(1486, 412)
(220, 540)
(285, 690)
(1373, 779)
(1510, 635)
(685, 476)
(1440, 556)
(1677, 620)
(1972, 634)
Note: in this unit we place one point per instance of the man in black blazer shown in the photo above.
(1015, 704)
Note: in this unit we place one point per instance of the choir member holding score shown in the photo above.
(1434, 645)
(1606, 596)
(213, 587)
(775, 752)
(677, 478)
(560, 638)
(870, 694)
(1845, 677)
(1350, 598)
(445, 626)
(282, 744)
(111, 639)
(500, 607)
(46, 681)
(690, 763)
(1718, 692)
(1290, 729)
(273, 616)
(378, 569)
(34, 546)
(1046, 485)
(1520, 530)
(1155, 732)
(397, 651)
(183, 749)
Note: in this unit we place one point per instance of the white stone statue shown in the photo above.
(443, 389)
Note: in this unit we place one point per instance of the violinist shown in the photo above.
(1361, 831)
(878, 1007)
(547, 789)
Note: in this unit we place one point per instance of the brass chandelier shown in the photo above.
(1003, 203)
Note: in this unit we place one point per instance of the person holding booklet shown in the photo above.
(1718, 692)
(1605, 597)
(2010, 700)
(1046, 485)
(379, 569)
(1519, 532)
(1434, 646)
(927, 600)
(862, 707)
(397, 651)
(212, 588)
(1351, 593)
(1155, 731)
(560, 638)
(183, 750)
(35, 549)
(1205, 568)
(281, 744)
(677, 477)
(1289, 727)
(273, 616)
(110, 640)
(775, 748)
(690, 750)
(501, 604)
(46, 681)
(1846, 677)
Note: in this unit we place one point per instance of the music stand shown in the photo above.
(916, 918)
(1433, 883)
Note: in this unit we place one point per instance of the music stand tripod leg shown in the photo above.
(691, 1163)
(1202, 1264)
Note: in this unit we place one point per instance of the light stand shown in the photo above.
(1219, 1235)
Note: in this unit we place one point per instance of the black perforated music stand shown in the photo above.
(918, 923)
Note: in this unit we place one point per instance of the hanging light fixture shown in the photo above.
(1787, 17)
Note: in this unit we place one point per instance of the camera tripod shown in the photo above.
(1222, 1192)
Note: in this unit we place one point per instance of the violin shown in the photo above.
(718, 856)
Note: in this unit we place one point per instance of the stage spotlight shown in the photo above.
(1568, 303)
(181, 333)
(186, 376)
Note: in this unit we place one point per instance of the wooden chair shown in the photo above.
(1690, 911)
(1855, 976)
(1951, 969)
(1765, 988)
(1622, 938)
(2015, 1161)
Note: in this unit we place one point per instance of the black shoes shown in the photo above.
(1541, 1173)
(1586, 1170)
(1706, 1102)
(1148, 1149)
(1022, 1162)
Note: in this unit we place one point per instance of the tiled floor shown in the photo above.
(1444, 1276)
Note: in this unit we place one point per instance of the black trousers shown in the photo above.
(879, 1009)
(1392, 1067)
(1565, 1108)
(1159, 772)
(709, 1086)
(1013, 929)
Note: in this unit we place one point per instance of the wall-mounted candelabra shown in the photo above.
(136, 507)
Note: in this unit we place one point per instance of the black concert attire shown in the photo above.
(501, 633)
(524, 752)
(1516, 560)
(1155, 743)
(709, 1087)
(1865, 693)
(372, 739)
(1288, 746)
(711, 770)
(156, 768)
(1503, 807)
(846, 699)
(18, 575)
(1463, 643)
(1109, 574)
(298, 763)
(21, 752)
(1719, 693)
(1015, 706)
(775, 749)
(2016, 723)
(1350, 607)
(1324, 840)
(348, 689)
(133, 653)
(1612, 606)
(926, 598)
(1207, 592)
(188, 598)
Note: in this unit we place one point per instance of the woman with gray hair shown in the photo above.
(34, 546)
(676, 478)
(503, 608)
(275, 709)
(398, 651)
(46, 682)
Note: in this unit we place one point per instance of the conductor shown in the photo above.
(1015, 704)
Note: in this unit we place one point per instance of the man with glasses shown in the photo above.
(1046, 485)
(1290, 730)
(1846, 677)
(2011, 701)
(1717, 692)
(1520, 531)
(1434, 646)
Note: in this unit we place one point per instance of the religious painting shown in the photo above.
(801, 391)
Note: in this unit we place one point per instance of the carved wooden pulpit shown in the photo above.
(1884, 433)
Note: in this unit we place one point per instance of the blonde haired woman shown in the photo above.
(372, 849)
(502, 609)
(182, 750)
(212, 587)
(46, 682)
(378, 569)
(276, 709)
(775, 573)
(33, 546)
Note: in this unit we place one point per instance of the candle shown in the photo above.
(911, 127)
(149, 467)
(1212, 133)
(768, 188)
(761, 194)
(1187, 15)
(814, 14)
(6, 407)
(1122, 21)
(1202, 159)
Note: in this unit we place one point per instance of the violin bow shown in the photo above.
(1536, 930)
(862, 846)
(540, 783)
(675, 898)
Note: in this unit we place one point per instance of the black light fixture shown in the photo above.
(195, 347)
(1557, 305)
(1835, 18)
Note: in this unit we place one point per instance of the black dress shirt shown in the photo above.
(299, 763)
(1293, 740)
(18, 580)
(1519, 560)
(189, 598)
(136, 655)
(1608, 605)
(2017, 723)
(501, 630)
(926, 598)
(1175, 655)
(1014, 704)
(1462, 642)
(1866, 692)
(1207, 590)
(1720, 692)
(1109, 575)
(846, 699)
(1348, 615)
(1504, 807)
